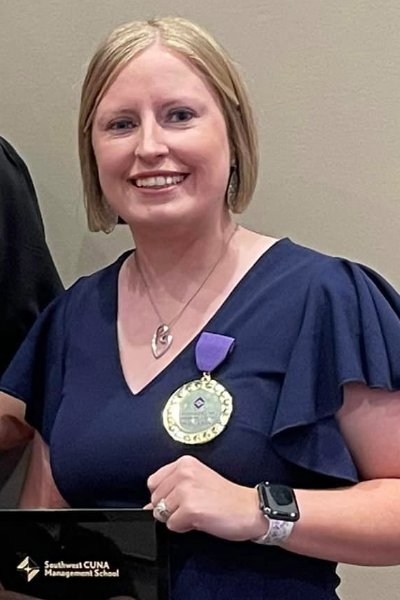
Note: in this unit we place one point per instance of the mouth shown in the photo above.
(159, 182)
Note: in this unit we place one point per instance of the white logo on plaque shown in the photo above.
(29, 567)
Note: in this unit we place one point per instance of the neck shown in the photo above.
(175, 255)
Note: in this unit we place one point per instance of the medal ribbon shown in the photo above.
(211, 350)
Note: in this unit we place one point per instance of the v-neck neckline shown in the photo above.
(209, 325)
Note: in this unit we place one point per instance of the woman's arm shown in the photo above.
(14, 435)
(358, 524)
(39, 489)
(13, 428)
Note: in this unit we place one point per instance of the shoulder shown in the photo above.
(90, 293)
(303, 277)
(92, 286)
(337, 293)
(100, 276)
(295, 258)
(14, 174)
(333, 274)
(7, 152)
(310, 273)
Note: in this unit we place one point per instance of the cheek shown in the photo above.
(215, 162)
(101, 157)
(111, 158)
(210, 152)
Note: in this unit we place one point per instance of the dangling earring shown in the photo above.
(232, 189)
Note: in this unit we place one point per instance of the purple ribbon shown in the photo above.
(211, 350)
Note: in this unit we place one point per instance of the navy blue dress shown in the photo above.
(304, 325)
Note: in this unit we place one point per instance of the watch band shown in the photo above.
(278, 532)
(279, 506)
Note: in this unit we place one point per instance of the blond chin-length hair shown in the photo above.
(212, 63)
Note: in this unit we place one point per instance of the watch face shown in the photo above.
(282, 495)
(278, 502)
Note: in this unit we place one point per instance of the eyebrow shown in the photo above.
(181, 102)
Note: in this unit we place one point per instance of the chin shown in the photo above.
(163, 217)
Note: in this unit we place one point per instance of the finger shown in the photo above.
(179, 521)
(165, 488)
(148, 506)
(165, 508)
(170, 502)
(156, 478)
(182, 470)
(177, 525)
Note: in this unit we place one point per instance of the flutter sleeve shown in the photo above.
(350, 332)
(36, 373)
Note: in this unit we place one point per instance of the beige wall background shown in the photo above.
(325, 79)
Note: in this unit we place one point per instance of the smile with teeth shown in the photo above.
(159, 181)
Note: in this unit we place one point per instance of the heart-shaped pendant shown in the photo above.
(162, 339)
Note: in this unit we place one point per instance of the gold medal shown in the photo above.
(198, 411)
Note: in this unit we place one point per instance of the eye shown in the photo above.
(181, 115)
(122, 125)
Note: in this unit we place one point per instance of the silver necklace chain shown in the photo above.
(162, 338)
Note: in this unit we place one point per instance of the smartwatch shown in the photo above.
(279, 506)
(278, 501)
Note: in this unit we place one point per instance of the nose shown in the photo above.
(151, 143)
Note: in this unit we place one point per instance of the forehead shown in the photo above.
(158, 73)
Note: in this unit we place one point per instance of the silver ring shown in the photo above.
(163, 511)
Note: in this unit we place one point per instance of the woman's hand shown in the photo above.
(200, 499)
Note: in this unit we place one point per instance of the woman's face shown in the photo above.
(161, 144)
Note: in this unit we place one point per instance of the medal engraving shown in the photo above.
(198, 411)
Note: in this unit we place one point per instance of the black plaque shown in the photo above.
(83, 554)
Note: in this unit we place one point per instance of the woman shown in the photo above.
(304, 348)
